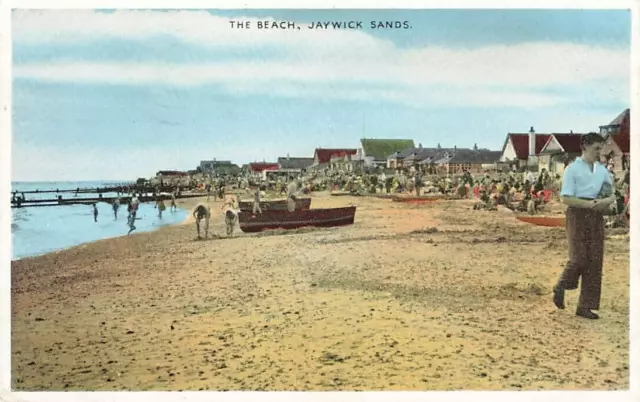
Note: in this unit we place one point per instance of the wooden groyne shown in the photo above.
(19, 203)
(112, 188)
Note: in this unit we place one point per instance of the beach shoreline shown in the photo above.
(186, 205)
(430, 297)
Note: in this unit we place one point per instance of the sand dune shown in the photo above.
(426, 297)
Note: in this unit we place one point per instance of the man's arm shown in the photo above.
(568, 192)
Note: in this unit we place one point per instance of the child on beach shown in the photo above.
(230, 215)
(199, 213)
(116, 206)
(161, 207)
(132, 209)
(173, 202)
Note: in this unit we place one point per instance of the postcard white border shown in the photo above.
(5, 212)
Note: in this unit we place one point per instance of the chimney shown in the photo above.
(532, 142)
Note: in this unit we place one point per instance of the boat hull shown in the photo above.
(276, 205)
(547, 221)
(276, 219)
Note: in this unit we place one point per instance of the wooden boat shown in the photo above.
(548, 221)
(276, 219)
(418, 200)
(275, 205)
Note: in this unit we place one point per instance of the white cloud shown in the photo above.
(319, 64)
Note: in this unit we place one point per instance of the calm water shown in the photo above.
(41, 230)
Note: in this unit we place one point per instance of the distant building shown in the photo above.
(522, 149)
(294, 166)
(412, 157)
(559, 150)
(322, 157)
(260, 169)
(375, 151)
(618, 146)
(459, 160)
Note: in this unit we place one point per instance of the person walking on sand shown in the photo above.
(581, 188)
(201, 212)
(116, 207)
(230, 215)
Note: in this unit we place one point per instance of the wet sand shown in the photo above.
(410, 297)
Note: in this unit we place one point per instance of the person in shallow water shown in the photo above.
(583, 182)
(95, 213)
(116, 207)
(173, 201)
(161, 207)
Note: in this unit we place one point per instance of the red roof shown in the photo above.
(262, 166)
(324, 155)
(624, 142)
(521, 144)
(569, 142)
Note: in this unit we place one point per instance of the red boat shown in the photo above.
(283, 219)
(275, 205)
(418, 200)
(548, 221)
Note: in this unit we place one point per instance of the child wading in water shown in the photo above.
(161, 208)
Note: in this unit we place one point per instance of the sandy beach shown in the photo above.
(426, 297)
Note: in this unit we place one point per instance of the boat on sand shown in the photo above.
(283, 219)
(548, 221)
(271, 205)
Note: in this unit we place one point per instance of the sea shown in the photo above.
(41, 230)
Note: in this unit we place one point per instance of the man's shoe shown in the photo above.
(586, 313)
(558, 297)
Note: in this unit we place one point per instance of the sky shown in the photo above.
(121, 94)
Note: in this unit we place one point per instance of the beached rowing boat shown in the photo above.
(275, 205)
(548, 221)
(418, 200)
(283, 219)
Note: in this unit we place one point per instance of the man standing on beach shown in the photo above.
(582, 184)
(292, 191)
(199, 213)
(256, 202)
(95, 213)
